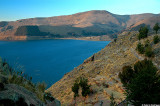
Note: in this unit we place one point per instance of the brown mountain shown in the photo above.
(150, 22)
(91, 23)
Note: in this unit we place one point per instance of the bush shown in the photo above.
(156, 39)
(85, 87)
(48, 96)
(147, 43)
(126, 74)
(41, 86)
(149, 52)
(75, 88)
(143, 32)
(144, 86)
(81, 82)
(140, 48)
(156, 27)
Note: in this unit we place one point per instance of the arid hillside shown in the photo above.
(102, 71)
(90, 23)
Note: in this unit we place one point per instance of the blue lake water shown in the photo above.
(48, 60)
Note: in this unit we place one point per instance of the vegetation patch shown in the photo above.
(21, 79)
(142, 83)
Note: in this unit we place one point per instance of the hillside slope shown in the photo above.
(102, 70)
(150, 22)
(90, 23)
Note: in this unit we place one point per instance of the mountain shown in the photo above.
(102, 69)
(150, 22)
(90, 23)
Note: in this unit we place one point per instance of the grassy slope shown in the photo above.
(104, 70)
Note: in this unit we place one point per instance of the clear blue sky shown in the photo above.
(11, 10)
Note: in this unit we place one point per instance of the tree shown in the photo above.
(126, 74)
(144, 86)
(143, 32)
(140, 48)
(113, 102)
(85, 87)
(156, 27)
(75, 88)
(81, 82)
(156, 39)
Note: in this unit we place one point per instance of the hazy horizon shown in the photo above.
(12, 10)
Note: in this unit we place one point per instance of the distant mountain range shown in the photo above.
(90, 23)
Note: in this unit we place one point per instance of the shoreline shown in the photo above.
(24, 38)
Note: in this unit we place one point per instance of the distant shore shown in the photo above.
(21, 38)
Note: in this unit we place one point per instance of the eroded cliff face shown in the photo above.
(102, 70)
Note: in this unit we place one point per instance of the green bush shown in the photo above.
(83, 83)
(85, 87)
(41, 86)
(156, 39)
(140, 48)
(156, 27)
(75, 88)
(126, 74)
(144, 86)
(149, 52)
(143, 32)
(147, 43)
(48, 96)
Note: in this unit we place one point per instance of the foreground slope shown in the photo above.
(102, 70)
(17, 89)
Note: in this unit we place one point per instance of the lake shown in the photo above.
(48, 60)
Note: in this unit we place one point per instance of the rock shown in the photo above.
(14, 92)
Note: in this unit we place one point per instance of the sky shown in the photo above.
(11, 10)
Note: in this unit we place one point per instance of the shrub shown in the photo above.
(149, 52)
(144, 86)
(156, 39)
(85, 87)
(41, 86)
(126, 74)
(143, 32)
(48, 96)
(156, 27)
(75, 88)
(147, 43)
(81, 82)
(140, 48)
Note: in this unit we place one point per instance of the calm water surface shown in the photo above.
(48, 60)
